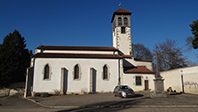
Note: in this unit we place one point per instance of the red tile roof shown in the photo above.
(139, 69)
(127, 56)
(82, 48)
(146, 60)
(73, 55)
(120, 11)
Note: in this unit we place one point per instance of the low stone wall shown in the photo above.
(4, 92)
(10, 92)
(182, 79)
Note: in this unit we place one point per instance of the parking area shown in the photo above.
(100, 103)
(108, 100)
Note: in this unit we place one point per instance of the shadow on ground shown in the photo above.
(139, 95)
(173, 94)
(109, 105)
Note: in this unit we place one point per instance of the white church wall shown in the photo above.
(122, 41)
(76, 51)
(37, 50)
(127, 62)
(54, 83)
(146, 64)
(130, 80)
(173, 78)
(79, 52)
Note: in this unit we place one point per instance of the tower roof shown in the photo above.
(120, 11)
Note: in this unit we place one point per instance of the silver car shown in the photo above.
(123, 91)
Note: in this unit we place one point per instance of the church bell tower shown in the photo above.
(122, 31)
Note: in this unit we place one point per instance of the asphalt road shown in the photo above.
(108, 100)
(18, 104)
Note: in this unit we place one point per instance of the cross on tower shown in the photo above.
(120, 5)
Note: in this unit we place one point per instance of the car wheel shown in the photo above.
(121, 95)
(115, 95)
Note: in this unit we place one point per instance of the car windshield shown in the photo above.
(125, 87)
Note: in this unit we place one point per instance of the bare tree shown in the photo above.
(141, 52)
(189, 44)
(169, 55)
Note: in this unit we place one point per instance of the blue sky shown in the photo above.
(88, 22)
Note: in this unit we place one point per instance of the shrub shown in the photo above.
(37, 94)
(44, 95)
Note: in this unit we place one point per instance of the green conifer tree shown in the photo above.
(194, 30)
(14, 59)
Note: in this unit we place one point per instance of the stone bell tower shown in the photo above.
(122, 31)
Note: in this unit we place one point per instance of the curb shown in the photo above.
(116, 106)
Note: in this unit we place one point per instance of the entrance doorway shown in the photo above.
(146, 84)
(92, 80)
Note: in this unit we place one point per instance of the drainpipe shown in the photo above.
(182, 80)
(119, 71)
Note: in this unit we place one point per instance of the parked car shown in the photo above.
(123, 91)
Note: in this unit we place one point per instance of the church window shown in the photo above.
(119, 21)
(125, 21)
(138, 80)
(105, 72)
(46, 72)
(76, 72)
(123, 30)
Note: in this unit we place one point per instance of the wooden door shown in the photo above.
(146, 84)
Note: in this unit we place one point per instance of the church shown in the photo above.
(81, 69)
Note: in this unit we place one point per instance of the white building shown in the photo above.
(91, 69)
(182, 79)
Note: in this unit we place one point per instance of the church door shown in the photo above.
(146, 85)
(64, 80)
(92, 80)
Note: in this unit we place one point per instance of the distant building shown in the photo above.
(182, 79)
(91, 69)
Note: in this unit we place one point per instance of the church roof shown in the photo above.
(120, 11)
(145, 60)
(82, 48)
(139, 69)
(76, 55)
(127, 56)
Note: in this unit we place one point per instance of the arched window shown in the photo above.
(76, 72)
(105, 72)
(46, 71)
(119, 21)
(125, 21)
